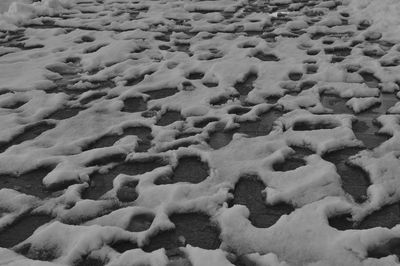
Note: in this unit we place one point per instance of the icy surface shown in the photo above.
(227, 132)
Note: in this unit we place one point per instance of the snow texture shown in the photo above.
(102, 101)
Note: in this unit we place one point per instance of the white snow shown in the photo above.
(99, 55)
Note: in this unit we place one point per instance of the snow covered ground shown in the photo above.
(226, 132)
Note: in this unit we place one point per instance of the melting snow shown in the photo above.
(163, 132)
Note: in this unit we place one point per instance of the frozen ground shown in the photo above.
(227, 132)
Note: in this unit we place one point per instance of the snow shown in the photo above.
(5, 5)
(200, 256)
(361, 104)
(381, 14)
(227, 70)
